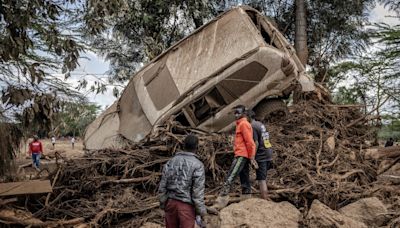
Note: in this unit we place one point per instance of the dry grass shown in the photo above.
(61, 145)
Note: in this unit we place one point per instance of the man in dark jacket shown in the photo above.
(263, 153)
(181, 191)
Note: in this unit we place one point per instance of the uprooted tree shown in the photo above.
(317, 156)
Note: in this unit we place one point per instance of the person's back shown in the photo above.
(261, 136)
(179, 172)
(182, 187)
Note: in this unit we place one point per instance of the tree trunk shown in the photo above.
(300, 41)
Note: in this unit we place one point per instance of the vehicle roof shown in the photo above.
(165, 52)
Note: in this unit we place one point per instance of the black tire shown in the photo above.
(271, 111)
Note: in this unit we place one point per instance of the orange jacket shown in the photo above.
(244, 143)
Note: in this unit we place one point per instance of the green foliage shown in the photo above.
(393, 5)
(36, 37)
(143, 29)
(372, 79)
(390, 130)
(335, 28)
(74, 117)
(37, 40)
(368, 80)
(347, 95)
(389, 36)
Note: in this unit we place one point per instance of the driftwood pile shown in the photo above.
(317, 155)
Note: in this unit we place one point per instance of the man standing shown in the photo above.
(263, 154)
(73, 142)
(244, 150)
(181, 191)
(53, 142)
(35, 149)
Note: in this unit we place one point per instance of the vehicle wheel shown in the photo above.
(271, 111)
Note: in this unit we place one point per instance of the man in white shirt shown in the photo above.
(53, 141)
(73, 142)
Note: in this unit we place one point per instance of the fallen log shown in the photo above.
(7, 201)
(25, 187)
(19, 217)
(382, 152)
(130, 180)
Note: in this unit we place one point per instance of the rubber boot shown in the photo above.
(221, 202)
(264, 190)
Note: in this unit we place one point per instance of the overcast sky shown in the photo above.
(97, 66)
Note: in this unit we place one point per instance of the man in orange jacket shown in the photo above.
(245, 151)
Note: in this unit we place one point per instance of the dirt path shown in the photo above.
(63, 147)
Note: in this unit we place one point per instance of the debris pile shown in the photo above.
(317, 155)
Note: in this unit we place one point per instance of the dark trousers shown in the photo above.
(245, 178)
(240, 166)
(179, 214)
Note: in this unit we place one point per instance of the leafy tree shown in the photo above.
(369, 78)
(73, 118)
(141, 30)
(37, 39)
(145, 28)
(393, 5)
(391, 129)
(389, 36)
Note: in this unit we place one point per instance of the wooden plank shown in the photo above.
(191, 118)
(25, 187)
(346, 105)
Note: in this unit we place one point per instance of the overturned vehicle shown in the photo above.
(237, 58)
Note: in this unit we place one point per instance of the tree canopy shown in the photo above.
(144, 28)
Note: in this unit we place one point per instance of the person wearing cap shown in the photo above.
(35, 150)
(181, 190)
(263, 153)
(244, 151)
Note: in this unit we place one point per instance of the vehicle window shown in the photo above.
(223, 94)
(160, 85)
(241, 81)
(264, 34)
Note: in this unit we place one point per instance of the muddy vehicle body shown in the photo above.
(237, 58)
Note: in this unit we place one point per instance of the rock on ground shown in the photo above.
(370, 211)
(321, 216)
(254, 213)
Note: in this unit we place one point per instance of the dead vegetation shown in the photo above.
(318, 155)
(10, 136)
